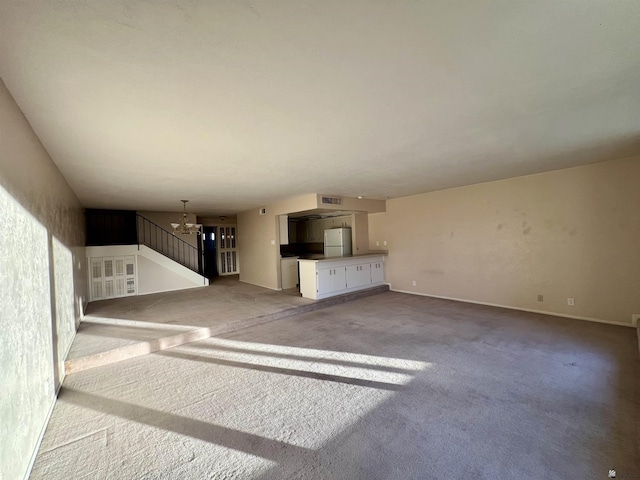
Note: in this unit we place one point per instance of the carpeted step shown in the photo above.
(137, 349)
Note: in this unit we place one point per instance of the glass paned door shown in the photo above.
(227, 252)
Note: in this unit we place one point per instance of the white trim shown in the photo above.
(257, 284)
(170, 290)
(554, 314)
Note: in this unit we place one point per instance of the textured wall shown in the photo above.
(43, 278)
(569, 233)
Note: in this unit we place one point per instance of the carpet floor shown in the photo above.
(392, 386)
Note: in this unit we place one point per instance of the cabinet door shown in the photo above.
(289, 268)
(310, 231)
(284, 229)
(331, 280)
(301, 232)
(293, 232)
(339, 279)
(325, 223)
(377, 272)
(318, 231)
(324, 281)
(341, 222)
(358, 275)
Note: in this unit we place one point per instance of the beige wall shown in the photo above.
(154, 278)
(215, 221)
(569, 233)
(43, 278)
(259, 241)
(377, 231)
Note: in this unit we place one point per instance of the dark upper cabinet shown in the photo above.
(110, 227)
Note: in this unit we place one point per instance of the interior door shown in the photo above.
(112, 277)
(227, 251)
(210, 253)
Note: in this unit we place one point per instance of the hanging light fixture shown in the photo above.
(184, 227)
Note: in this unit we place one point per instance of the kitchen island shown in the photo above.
(322, 277)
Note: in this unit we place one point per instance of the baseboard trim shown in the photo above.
(164, 291)
(542, 312)
(260, 285)
(32, 462)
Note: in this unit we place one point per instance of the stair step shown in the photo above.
(138, 349)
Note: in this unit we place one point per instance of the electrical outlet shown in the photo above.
(413, 283)
(377, 243)
(571, 301)
(635, 319)
(541, 298)
(384, 242)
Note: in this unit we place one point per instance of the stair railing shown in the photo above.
(168, 244)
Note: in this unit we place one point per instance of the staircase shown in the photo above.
(167, 244)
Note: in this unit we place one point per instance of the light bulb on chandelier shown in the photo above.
(184, 227)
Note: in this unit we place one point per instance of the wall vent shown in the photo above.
(331, 200)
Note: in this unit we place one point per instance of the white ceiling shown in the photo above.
(234, 104)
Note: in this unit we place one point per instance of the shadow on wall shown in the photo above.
(43, 294)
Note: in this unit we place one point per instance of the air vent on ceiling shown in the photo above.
(332, 200)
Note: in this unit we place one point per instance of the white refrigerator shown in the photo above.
(337, 242)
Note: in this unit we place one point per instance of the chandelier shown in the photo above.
(184, 227)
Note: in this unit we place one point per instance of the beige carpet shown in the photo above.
(388, 387)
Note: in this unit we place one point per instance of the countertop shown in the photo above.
(322, 258)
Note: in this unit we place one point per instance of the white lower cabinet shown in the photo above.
(358, 275)
(289, 270)
(326, 278)
(377, 273)
(330, 280)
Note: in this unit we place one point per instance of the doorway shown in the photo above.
(228, 263)
(210, 252)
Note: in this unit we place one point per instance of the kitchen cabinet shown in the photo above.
(377, 273)
(301, 232)
(334, 276)
(284, 229)
(293, 232)
(331, 280)
(341, 222)
(312, 231)
(358, 275)
(289, 271)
